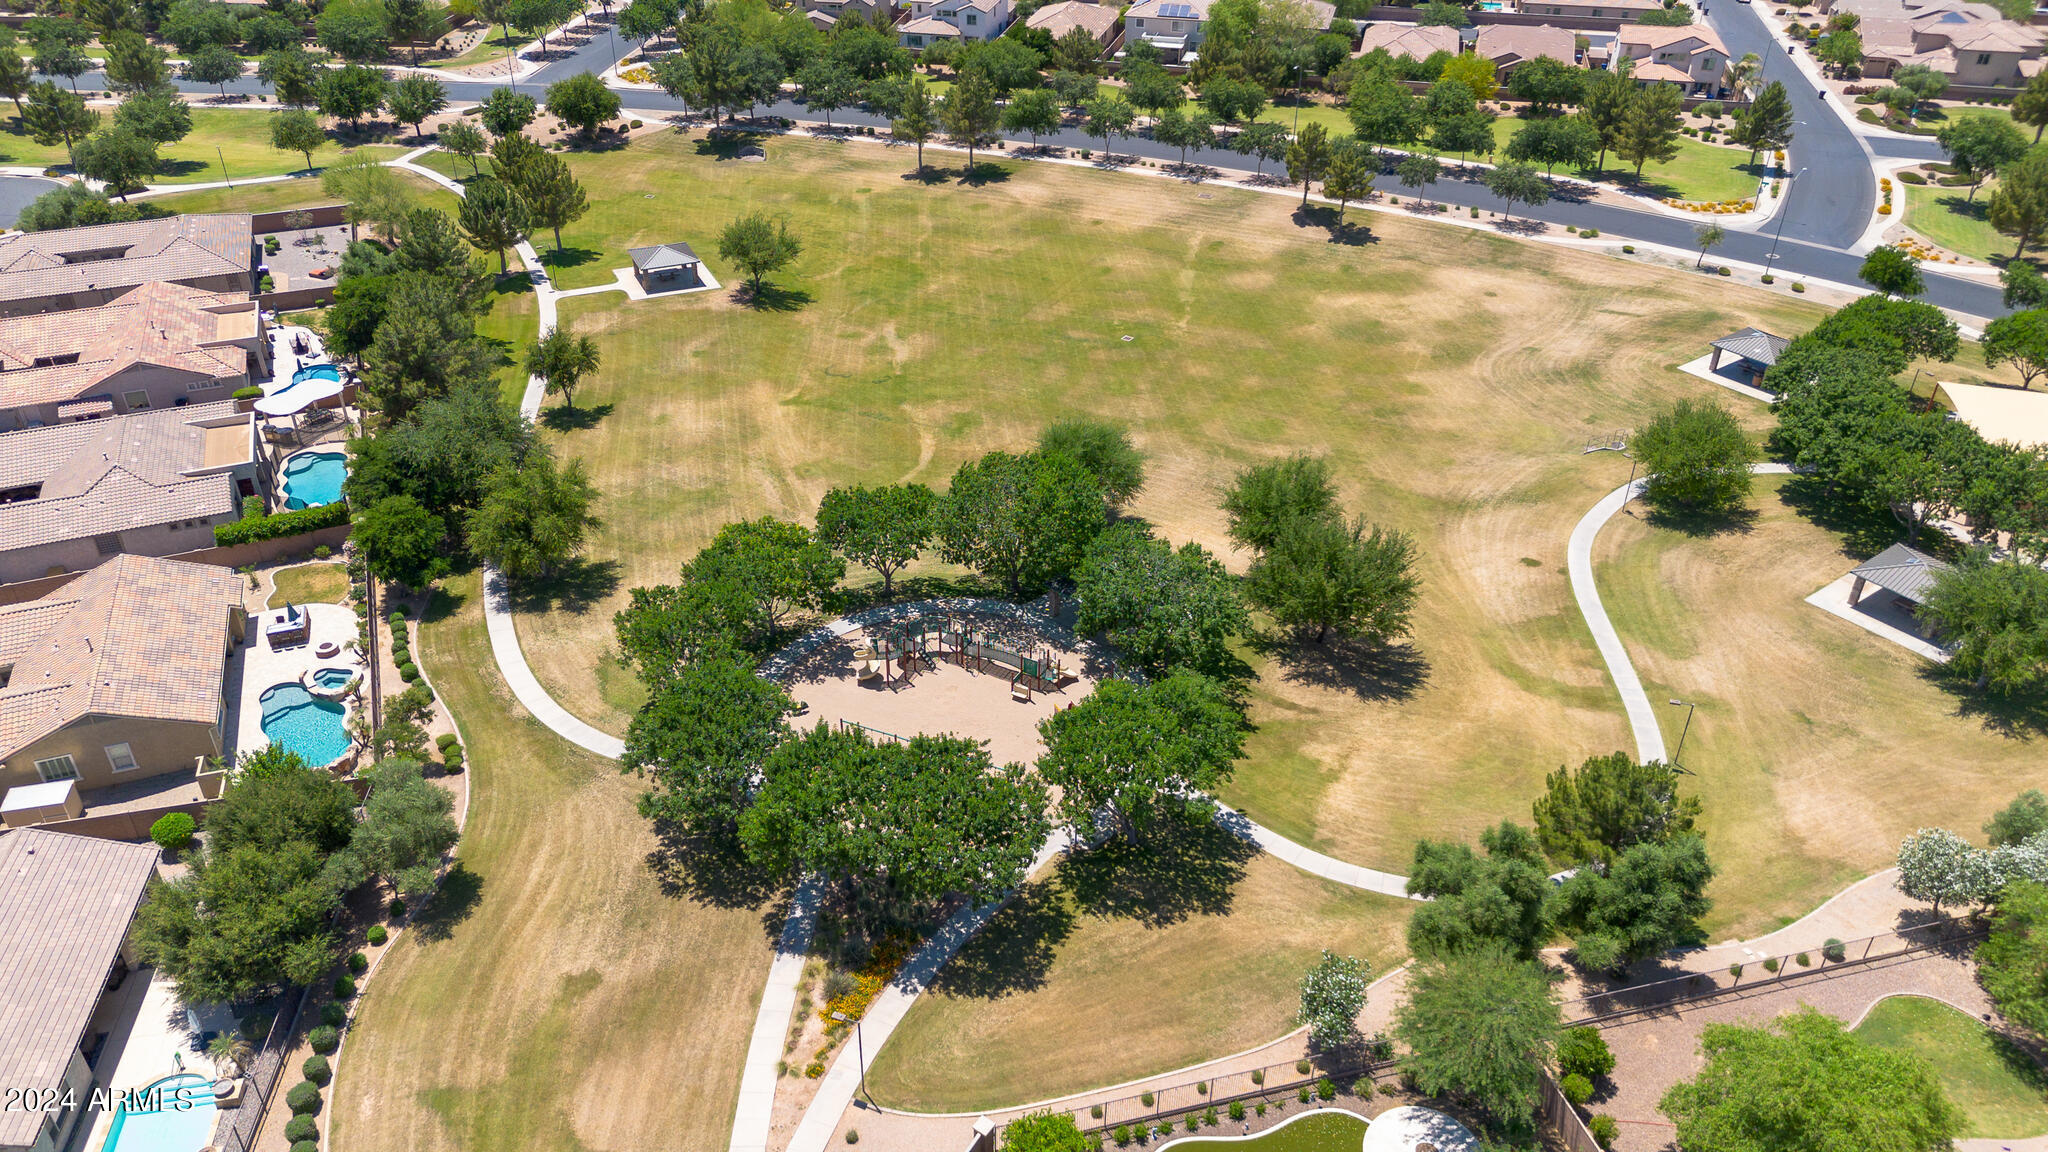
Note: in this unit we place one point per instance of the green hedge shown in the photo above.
(302, 1128)
(283, 524)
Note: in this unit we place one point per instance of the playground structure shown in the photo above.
(896, 653)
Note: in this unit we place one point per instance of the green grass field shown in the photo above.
(1949, 218)
(241, 137)
(552, 996)
(1999, 1088)
(1314, 1132)
(309, 584)
(279, 195)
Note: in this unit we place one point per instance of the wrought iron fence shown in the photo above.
(241, 1125)
(1617, 1004)
(1274, 1085)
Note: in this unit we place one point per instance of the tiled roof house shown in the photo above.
(85, 267)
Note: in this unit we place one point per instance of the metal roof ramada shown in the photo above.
(65, 905)
(1753, 344)
(655, 257)
(1906, 571)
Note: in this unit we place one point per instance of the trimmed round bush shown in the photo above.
(303, 1099)
(1302, 1094)
(410, 671)
(173, 832)
(344, 988)
(397, 615)
(377, 934)
(1237, 1109)
(358, 963)
(1771, 964)
(1301, 1066)
(251, 392)
(333, 1015)
(1577, 1089)
(1325, 1089)
(853, 1135)
(445, 741)
(1604, 1129)
(324, 1039)
(302, 1128)
(397, 907)
(1834, 951)
(316, 1070)
(1095, 1111)
(306, 1146)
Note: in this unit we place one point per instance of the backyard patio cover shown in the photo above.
(298, 395)
(1901, 570)
(2001, 415)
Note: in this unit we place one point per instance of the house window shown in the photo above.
(108, 544)
(1138, 23)
(1174, 27)
(973, 19)
(201, 385)
(122, 758)
(136, 401)
(1983, 57)
(917, 41)
(57, 768)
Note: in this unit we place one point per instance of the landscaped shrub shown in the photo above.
(1798, 286)
(1726, 271)
(444, 741)
(397, 616)
(409, 670)
(1577, 1089)
(1202, 1086)
(1301, 1066)
(452, 762)
(1805, 961)
(1209, 1117)
(316, 1070)
(1362, 1086)
(1735, 970)
(323, 1039)
(344, 988)
(1629, 248)
(1390, 1089)
(1834, 950)
(1259, 1076)
(853, 1135)
(333, 1015)
(251, 392)
(1237, 1109)
(396, 908)
(358, 963)
(1145, 1098)
(283, 524)
(1771, 964)
(306, 1146)
(173, 832)
(1604, 1129)
(1302, 1093)
(1912, 178)
(1584, 1052)
(1325, 1090)
(1095, 1111)
(377, 934)
(1122, 1135)
(302, 1128)
(814, 1069)
(1588, 233)
(304, 1098)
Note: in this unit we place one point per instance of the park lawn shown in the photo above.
(241, 136)
(492, 47)
(1702, 172)
(1333, 119)
(1812, 739)
(1996, 1084)
(926, 325)
(512, 323)
(309, 584)
(552, 996)
(280, 195)
(1310, 1132)
(1947, 217)
(1066, 990)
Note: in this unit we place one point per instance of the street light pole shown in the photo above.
(223, 167)
(859, 1051)
(1677, 761)
(1784, 212)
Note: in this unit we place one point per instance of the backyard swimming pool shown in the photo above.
(293, 719)
(175, 1114)
(332, 679)
(314, 478)
(316, 372)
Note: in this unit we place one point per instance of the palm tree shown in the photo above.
(230, 1048)
(1741, 72)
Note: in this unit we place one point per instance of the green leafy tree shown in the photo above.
(1609, 96)
(1470, 133)
(417, 98)
(1583, 1051)
(1476, 74)
(214, 64)
(1977, 146)
(1517, 183)
(2030, 107)
(54, 116)
(352, 92)
(759, 247)
(133, 64)
(1696, 458)
(1048, 1131)
(1890, 270)
(1184, 130)
(1547, 84)
(157, 116)
(1105, 451)
(969, 114)
(415, 22)
(402, 541)
(1418, 171)
(294, 74)
(1803, 1081)
(71, 206)
(494, 218)
(700, 740)
(1993, 615)
(298, 131)
(1130, 755)
(55, 57)
(1349, 174)
(506, 112)
(1649, 128)
(117, 157)
(1383, 111)
(1263, 140)
(1480, 1025)
(1441, 14)
(777, 567)
(908, 823)
(552, 195)
(584, 101)
(535, 518)
(2020, 339)
(2012, 963)
(562, 359)
(1024, 520)
(430, 243)
(1940, 867)
(426, 348)
(1332, 996)
(1558, 140)
(1264, 498)
(917, 119)
(16, 77)
(1035, 111)
(466, 140)
(882, 528)
(1842, 48)
(407, 825)
(1077, 50)
(1647, 900)
(1476, 902)
(1308, 157)
(1109, 115)
(827, 85)
(512, 157)
(1153, 89)
(1164, 608)
(1607, 805)
(2022, 820)
(1922, 81)
(2018, 207)
(1322, 573)
(1766, 125)
(2023, 285)
(354, 30)
(1230, 100)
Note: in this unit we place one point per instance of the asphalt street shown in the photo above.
(1825, 212)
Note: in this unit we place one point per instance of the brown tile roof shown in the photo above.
(65, 905)
(1509, 44)
(137, 636)
(103, 256)
(1651, 37)
(166, 325)
(118, 500)
(1410, 40)
(1067, 15)
(158, 445)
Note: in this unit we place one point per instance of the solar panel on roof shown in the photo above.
(1177, 11)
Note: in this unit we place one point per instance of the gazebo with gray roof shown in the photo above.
(1756, 351)
(666, 267)
(1905, 572)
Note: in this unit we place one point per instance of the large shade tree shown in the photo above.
(1129, 752)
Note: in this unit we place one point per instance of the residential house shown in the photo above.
(154, 484)
(933, 20)
(1689, 55)
(826, 13)
(1175, 26)
(118, 675)
(66, 904)
(1971, 44)
(1056, 20)
(161, 345)
(86, 267)
(1624, 10)
(1411, 40)
(1510, 46)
